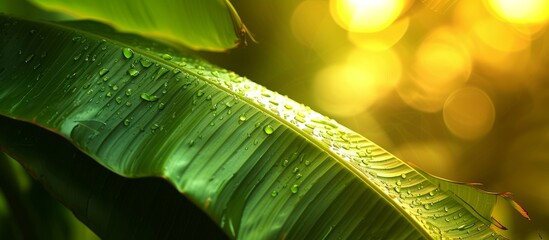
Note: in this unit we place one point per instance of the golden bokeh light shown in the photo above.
(469, 113)
(442, 64)
(311, 23)
(350, 88)
(500, 36)
(521, 11)
(366, 15)
(383, 39)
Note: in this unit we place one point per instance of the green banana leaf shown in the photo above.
(212, 25)
(257, 163)
(25, 206)
(114, 206)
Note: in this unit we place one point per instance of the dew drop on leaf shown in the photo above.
(148, 97)
(268, 129)
(127, 52)
(146, 62)
(126, 122)
(294, 188)
(133, 72)
(274, 193)
(103, 71)
(166, 56)
(29, 58)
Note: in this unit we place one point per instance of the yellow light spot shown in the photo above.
(383, 39)
(469, 113)
(500, 36)
(442, 65)
(311, 24)
(366, 15)
(521, 11)
(350, 88)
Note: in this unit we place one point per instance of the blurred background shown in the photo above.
(459, 88)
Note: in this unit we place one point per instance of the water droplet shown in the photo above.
(103, 71)
(243, 118)
(128, 104)
(465, 226)
(133, 72)
(191, 142)
(295, 170)
(256, 142)
(268, 129)
(127, 52)
(403, 175)
(87, 85)
(446, 209)
(274, 193)
(285, 163)
(29, 58)
(145, 62)
(229, 104)
(166, 56)
(128, 92)
(109, 94)
(77, 56)
(114, 87)
(298, 176)
(294, 188)
(126, 122)
(155, 126)
(90, 91)
(148, 97)
(447, 219)
(398, 183)
(427, 206)
(307, 162)
(397, 189)
(161, 106)
(200, 93)
(300, 119)
(432, 193)
(118, 100)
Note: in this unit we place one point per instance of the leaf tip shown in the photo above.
(509, 198)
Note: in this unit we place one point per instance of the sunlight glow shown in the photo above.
(521, 11)
(366, 15)
(350, 88)
(381, 40)
(469, 113)
(442, 65)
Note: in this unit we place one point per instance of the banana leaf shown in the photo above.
(257, 163)
(199, 24)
